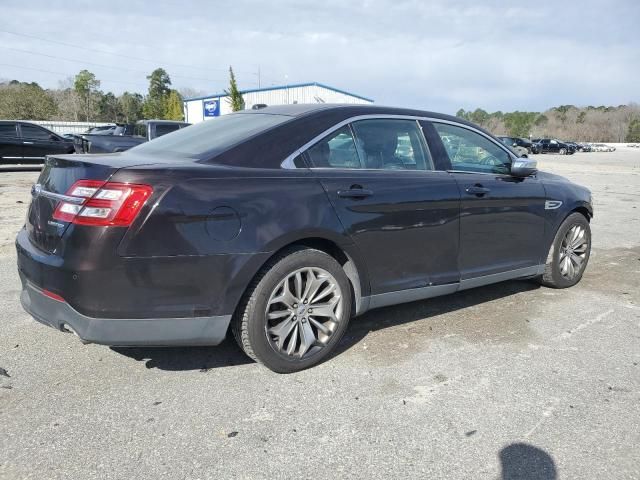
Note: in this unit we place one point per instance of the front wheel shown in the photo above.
(562, 151)
(295, 311)
(569, 253)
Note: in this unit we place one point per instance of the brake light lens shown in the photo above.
(103, 203)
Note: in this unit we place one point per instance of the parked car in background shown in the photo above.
(25, 142)
(571, 145)
(517, 142)
(122, 137)
(601, 147)
(584, 147)
(550, 145)
(102, 129)
(508, 141)
(285, 222)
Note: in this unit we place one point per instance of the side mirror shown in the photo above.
(515, 144)
(523, 167)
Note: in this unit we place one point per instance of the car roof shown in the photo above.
(348, 109)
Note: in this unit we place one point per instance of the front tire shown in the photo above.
(295, 311)
(562, 151)
(569, 253)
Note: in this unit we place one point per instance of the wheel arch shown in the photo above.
(345, 255)
(588, 214)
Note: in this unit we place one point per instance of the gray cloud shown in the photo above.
(439, 55)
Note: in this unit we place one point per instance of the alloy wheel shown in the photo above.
(573, 252)
(303, 312)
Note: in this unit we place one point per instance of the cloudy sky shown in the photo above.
(436, 55)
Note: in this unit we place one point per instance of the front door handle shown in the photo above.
(355, 193)
(27, 143)
(477, 190)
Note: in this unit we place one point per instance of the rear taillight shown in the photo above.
(104, 204)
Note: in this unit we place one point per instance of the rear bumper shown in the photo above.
(121, 331)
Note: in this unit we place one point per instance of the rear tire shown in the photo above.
(569, 253)
(275, 323)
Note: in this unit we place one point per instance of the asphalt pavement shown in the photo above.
(496, 382)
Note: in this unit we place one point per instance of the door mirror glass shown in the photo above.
(524, 167)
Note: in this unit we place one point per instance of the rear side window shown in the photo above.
(203, 140)
(337, 150)
(35, 133)
(469, 151)
(8, 130)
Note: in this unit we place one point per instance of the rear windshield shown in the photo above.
(206, 139)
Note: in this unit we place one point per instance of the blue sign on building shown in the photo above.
(211, 107)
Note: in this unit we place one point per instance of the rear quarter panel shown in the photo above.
(233, 220)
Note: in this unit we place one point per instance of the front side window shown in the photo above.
(35, 133)
(471, 152)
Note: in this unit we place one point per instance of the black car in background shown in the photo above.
(25, 142)
(517, 142)
(584, 147)
(121, 137)
(550, 145)
(285, 222)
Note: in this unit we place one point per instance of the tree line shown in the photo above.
(79, 99)
(566, 122)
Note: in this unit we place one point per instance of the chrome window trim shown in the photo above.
(289, 164)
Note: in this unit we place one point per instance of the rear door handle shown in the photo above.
(27, 143)
(355, 193)
(478, 190)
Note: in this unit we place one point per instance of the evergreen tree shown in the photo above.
(174, 106)
(86, 85)
(155, 105)
(235, 97)
(131, 106)
(633, 133)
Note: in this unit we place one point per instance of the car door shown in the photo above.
(10, 143)
(400, 212)
(501, 216)
(553, 147)
(39, 142)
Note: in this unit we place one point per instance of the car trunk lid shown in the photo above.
(56, 178)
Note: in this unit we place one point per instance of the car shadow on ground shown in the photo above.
(424, 310)
(228, 354)
(520, 461)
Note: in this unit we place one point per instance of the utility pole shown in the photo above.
(259, 76)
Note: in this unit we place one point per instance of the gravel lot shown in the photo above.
(500, 380)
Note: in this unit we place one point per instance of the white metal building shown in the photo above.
(199, 109)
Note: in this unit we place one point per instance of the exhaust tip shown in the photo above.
(68, 329)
